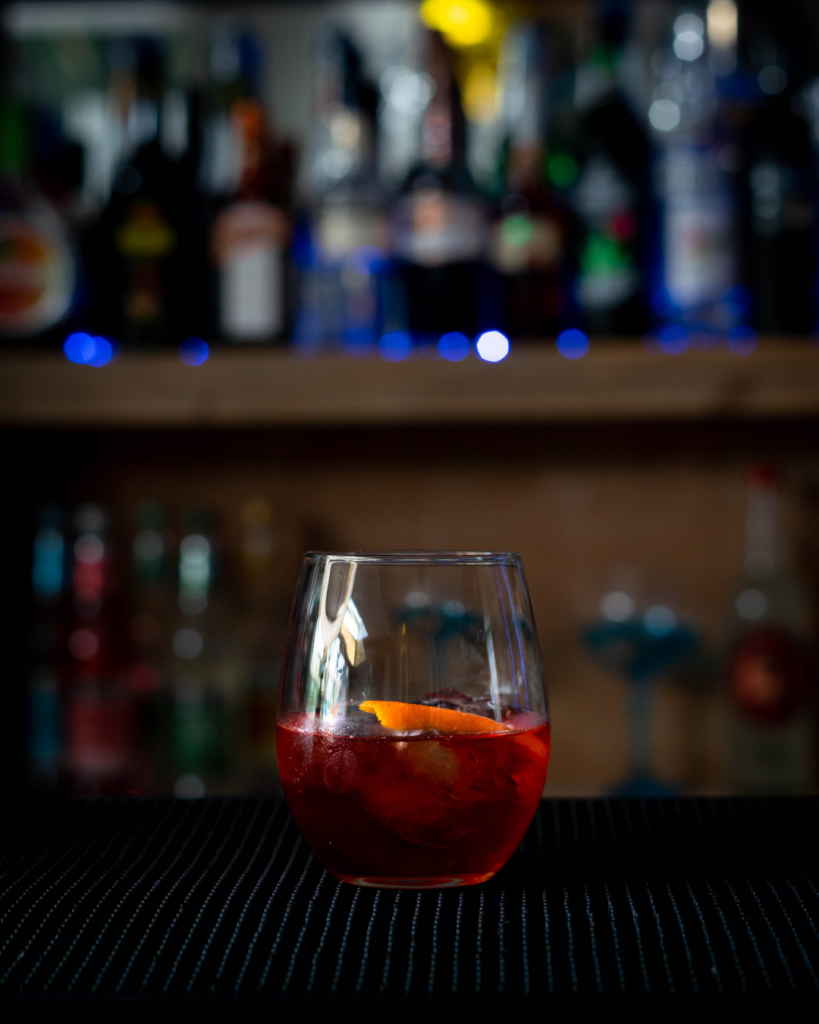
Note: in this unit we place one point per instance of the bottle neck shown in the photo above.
(346, 124)
(761, 554)
(442, 128)
(248, 134)
(136, 87)
(13, 143)
(523, 165)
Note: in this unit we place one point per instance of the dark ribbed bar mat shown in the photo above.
(635, 899)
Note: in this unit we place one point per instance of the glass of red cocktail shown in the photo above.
(413, 731)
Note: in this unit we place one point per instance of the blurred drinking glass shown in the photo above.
(413, 731)
(641, 640)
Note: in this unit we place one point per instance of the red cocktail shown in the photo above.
(413, 728)
(420, 807)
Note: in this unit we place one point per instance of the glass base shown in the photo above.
(438, 882)
(643, 785)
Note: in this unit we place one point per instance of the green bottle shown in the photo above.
(204, 681)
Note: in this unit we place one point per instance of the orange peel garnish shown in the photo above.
(394, 714)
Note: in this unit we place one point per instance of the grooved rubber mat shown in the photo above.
(220, 897)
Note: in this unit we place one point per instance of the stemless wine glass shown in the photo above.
(413, 731)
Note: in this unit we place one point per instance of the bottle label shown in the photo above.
(37, 275)
(345, 229)
(699, 247)
(145, 233)
(768, 677)
(522, 242)
(248, 242)
(608, 271)
(145, 239)
(698, 254)
(436, 227)
(99, 730)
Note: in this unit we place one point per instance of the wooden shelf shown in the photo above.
(616, 381)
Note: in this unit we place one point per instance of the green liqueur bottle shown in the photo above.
(611, 190)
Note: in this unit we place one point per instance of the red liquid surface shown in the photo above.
(412, 811)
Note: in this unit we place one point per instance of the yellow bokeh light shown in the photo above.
(722, 18)
(461, 22)
(480, 94)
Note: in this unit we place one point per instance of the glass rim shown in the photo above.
(418, 557)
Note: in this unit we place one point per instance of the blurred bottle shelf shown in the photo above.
(252, 387)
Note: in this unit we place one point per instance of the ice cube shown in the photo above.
(448, 698)
(431, 761)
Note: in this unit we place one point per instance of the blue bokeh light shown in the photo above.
(365, 258)
(739, 299)
(88, 349)
(492, 346)
(742, 340)
(394, 346)
(673, 340)
(194, 351)
(572, 344)
(659, 620)
(103, 352)
(453, 346)
(79, 347)
(663, 304)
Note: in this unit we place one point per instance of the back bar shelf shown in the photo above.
(255, 387)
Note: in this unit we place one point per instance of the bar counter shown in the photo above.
(149, 904)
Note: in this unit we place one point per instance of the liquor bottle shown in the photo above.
(531, 234)
(203, 677)
(48, 578)
(38, 265)
(778, 183)
(152, 600)
(343, 248)
(58, 168)
(145, 254)
(611, 190)
(769, 679)
(98, 698)
(700, 103)
(247, 172)
(264, 616)
(440, 223)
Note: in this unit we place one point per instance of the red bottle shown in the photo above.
(98, 707)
